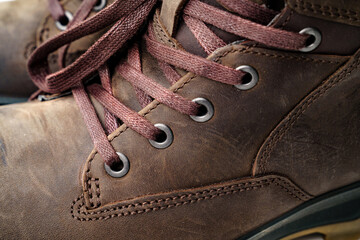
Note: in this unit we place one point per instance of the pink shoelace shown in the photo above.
(56, 10)
(126, 17)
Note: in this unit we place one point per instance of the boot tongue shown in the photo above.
(170, 17)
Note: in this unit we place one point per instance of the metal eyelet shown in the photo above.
(209, 110)
(168, 140)
(123, 171)
(317, 36)
(254, 77)
(63, 27)
(99, 5)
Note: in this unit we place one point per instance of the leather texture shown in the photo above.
(323, 137)
(209, 183)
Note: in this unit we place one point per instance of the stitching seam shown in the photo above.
(327, 11)
(182, 199)
(44, 31)
(94, 192)
(249, 50)
(287, 20)
(161, 34)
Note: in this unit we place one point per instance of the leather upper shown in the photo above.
(212, 181)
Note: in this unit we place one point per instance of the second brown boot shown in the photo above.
(24, 25)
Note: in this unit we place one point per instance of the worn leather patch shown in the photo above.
(313, 136)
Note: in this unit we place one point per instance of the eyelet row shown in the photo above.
(164, 142)
(167, 139)
(248, 83)
(168, 136)
(63, 23)
(205, 114)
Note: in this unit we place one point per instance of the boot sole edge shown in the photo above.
(339, 206)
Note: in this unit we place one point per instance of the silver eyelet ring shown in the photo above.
(169, 137)
(316, 34)
(100, 6)
(254, 77)
(209, 110)
(62, 27)
(123, 171)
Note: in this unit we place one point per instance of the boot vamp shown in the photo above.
(41, 154)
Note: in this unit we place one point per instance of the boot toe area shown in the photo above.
(41, 157)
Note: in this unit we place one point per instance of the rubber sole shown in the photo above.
(340, 231)
(335, 214)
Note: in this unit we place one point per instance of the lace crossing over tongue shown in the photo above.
(126, 17)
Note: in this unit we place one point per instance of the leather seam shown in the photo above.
(193, 198)
(287, 19)
(44, 30)
(161, 34)
(303, 59)
(293, 116)
(327, 11)
(94, 198)
(250, 50)
(29, 49)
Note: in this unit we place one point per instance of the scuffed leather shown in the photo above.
(318, 142)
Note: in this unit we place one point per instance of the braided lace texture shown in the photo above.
(244, 19)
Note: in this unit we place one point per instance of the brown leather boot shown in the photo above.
(24, 25)
(259, 139)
